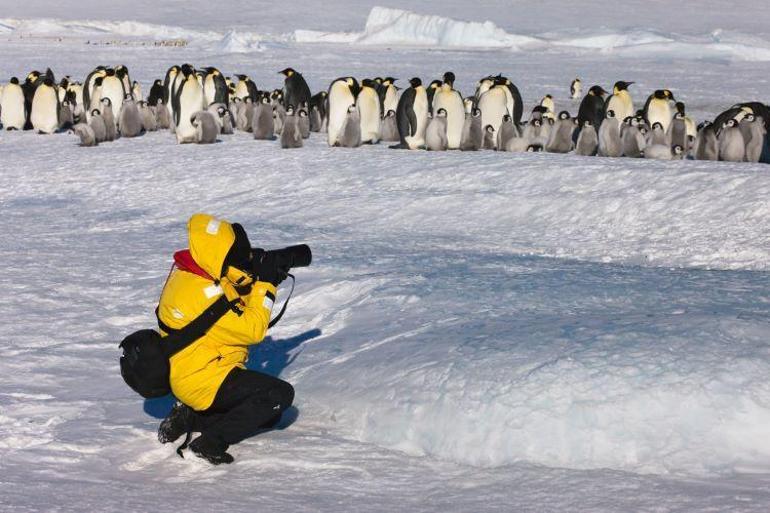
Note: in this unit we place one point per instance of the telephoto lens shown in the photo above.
(291, 257)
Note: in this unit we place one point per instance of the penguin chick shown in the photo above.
(149, 120)
(130, 122)
(303, 120)
(263, 124)
(436, 133)
(98, 126)
(291, 135)
(505, 133)
(351, 129)
(754, 132)
(206, 127)
(473, 135)
(560, 138)
(610, 144)
(588, 141)
(388, 127)
(706, 142)
(86, 134)
(732, 147)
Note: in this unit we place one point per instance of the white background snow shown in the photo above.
(478, 331)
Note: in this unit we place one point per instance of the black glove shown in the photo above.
(266, 268)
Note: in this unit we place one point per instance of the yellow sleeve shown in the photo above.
(251, 326)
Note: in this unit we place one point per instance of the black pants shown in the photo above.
(247, 402)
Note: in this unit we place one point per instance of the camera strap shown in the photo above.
(283, 308)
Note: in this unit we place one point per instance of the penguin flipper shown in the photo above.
(412, 117)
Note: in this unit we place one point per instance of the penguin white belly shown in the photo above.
(390, 102)
(420, 107)
(241, 90)
(659, 112)
(45, 110)
(622, 105)
(112, 88)
(340, 98)
(493, 106)
(369, 109)
(209, 90)
(12, 107)
(455, 114)
(190, 101)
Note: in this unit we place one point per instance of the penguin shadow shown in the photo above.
(271, 356)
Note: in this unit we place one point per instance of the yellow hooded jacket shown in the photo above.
(198, 371)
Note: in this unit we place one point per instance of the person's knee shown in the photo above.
(287, 395)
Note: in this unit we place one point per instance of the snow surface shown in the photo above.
(478, 331)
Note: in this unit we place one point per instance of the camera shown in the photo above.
(281, 260)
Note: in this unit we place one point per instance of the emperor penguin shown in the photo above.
(536, 132)
(206, 127)
(96, 95)
(112, 88)
(295, 89)
(45, 108)
(548, 106)
(473, 133)
(493, 105)
(169, 88)
(484, 85)
(188, 100)
(436, 133)
(620, 102)
(246, 87)
(156, 93)
(79, 109)
(89, 85)
(215, 87)
(29, 87)
(121, 71)
(247, 113)
(162, 115)
(592, 108)
(560, 139)
(490, 138)
(86, 134)
(706, 143)
(506, 132)
(633, 141)
(291, 137)
(658, 108)
(223, 117)
(317, 113)
(430, 91)
(262, 124)
(12, 115)
(98, 125)
(342, 94)
(369, 110)
(587, 141)
(149, 121)
(351, 130)
(412, 116)
(732, 147)
(108, 117)
(451, 101)
(388, 128)
(754, 132)
(610, 144)
(576, 89)
(130, 121)
(304, 121)
(390, 95)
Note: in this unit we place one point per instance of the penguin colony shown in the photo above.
(199, 105)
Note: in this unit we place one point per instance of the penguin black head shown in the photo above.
(368, 82)
(489, 129)
(678, 150)
(32, 76)
(564, 115)
(128, 97)
(436, 84)
(415, 82)
(121, 72)
(391, 114)
(610, 113)
(669, 95)
(96, 112)
(389, 80)
(290, 110)
(64, 83)
(302, 113)
(242, 77)
(506, 118)
(109, 72)
(475, 112)
(107, 101)
(749, 118)
(265, 99)
(657, 126)
(622, 85)
(704, 124)
(352, 109)
(539, 109)
(15, 80)
(449, 78)
(48, 82)
(441, 113)
(188, 70)
(378, 80)
(157, 82)
(597, 91)
(680, 108)
(731, 123)
(277, 94)
(628, 120)
(537, 123)
(288, 72)
(534, 148)
(643, 130)
(221, 111)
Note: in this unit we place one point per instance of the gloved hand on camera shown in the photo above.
(265, 267)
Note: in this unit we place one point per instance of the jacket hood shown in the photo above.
(210, 241)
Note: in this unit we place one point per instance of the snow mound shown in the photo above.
(54, 27)
(235, 42)
(386, 26)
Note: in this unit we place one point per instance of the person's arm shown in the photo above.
(251, 326)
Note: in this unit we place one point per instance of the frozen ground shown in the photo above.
(478, 332)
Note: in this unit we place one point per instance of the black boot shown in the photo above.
(211, 450)
(178, 422)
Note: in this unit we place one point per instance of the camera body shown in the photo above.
(280, 261)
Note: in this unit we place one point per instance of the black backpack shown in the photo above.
(144, 364)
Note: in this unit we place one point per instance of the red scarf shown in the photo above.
(184, 261)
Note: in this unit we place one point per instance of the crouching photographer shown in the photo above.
(220, 294)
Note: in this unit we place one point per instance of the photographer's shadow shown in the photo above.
(271, 357)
